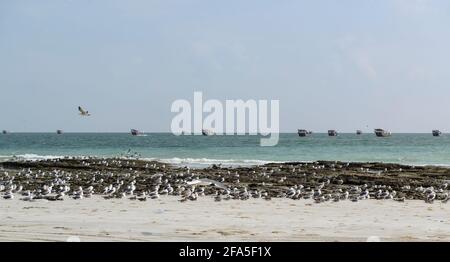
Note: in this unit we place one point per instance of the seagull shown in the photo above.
(79, 195)
(206, 182)
(365, 194)
(337, 197)
(317, 193)
(401, 199)
(143, 198)
(28, 196)
(83, 112)
(291, 193)
(193, 197)
(9, 195)
(217, 198)
(430, 197)
(445, 198)
(346, 195)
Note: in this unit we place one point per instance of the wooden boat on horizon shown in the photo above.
(332, 133)
(303, 132)
(436, 133)
(136, 132)
(207, 132)
(382, 133)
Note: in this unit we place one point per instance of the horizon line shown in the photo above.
(168, 132)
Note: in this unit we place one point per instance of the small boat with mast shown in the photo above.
(436, 132)
(59, 132)
(382, 133)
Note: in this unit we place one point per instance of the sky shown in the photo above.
(342, 65)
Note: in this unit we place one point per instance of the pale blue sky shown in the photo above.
(332, 64)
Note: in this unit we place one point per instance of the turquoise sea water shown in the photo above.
(416, 149)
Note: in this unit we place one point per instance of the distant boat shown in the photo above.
(436, 133)
(303, 132)
(207, 132)
(359, 132)
(59, 132)
(136, 132)
(382, 133)
(332, 133)
(4, 132)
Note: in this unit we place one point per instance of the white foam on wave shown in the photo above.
(32, 157)
(191, 162)
(4, 158)
(208, 161)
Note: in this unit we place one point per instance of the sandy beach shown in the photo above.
(166, 219)
(133, 200)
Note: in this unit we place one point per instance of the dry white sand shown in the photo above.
(167, 219)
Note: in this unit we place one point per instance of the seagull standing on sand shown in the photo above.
(83, 112)
(345, 195)
(9, 195)
(317, 193)
(187, 192)
(143, 197)
(337, 197)
(217, 198)
(445, 198)
(430, 197)
(291, 193)
(27, 196)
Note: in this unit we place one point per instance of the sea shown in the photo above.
(230, 150)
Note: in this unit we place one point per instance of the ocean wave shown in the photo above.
(209, 161)
(4, 158)
(36, 157)
(30, 157)
(197, 162)
(175, 160)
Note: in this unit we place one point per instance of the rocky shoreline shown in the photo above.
(135, 179)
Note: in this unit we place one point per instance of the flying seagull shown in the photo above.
(206, 182)
(83, 112)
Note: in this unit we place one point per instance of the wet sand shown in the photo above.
(165, 219)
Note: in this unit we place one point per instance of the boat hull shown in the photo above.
(382, 133)
(136, 132)
(303, 133)
(207, 132)
(436, 133)
(332, 133)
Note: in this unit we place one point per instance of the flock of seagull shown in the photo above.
(356, 193)
(58, 184)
